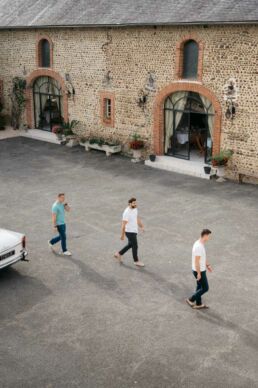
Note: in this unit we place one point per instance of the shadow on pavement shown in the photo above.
(19, 293)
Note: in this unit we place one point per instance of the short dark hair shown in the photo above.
(61, 194)
(205, 232)
(131, 200)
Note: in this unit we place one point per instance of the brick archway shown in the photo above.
(29, 93)
(158, 130)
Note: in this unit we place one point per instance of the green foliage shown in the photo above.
(68, 127)
(18, 100)
(222, 158)
(100, 142)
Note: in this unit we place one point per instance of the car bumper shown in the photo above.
(21, 257)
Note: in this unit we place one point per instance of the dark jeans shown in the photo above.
(202, 287)
(62, 236)
(132, 243)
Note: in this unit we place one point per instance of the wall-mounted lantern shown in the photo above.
(70, 87)
(142, 100)
(230, 97)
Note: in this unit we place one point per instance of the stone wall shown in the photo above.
(119, 60)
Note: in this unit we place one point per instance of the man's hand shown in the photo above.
(55, 228)
(67, 207)
(142, 228)
(122, 237)
(209, 268)
(199, 276)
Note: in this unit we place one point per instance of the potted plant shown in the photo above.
(136, 145)
(207, 169)
(221, 160)
(68, 129)
(59, 132)
(98, 143)
(152, 157)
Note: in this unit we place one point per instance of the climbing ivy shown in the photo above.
(18, 100)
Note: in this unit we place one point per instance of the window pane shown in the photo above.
(107, 105)
(45, 53)
(190, 63)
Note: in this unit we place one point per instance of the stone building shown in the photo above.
(183, 75)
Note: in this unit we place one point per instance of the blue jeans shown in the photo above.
(62, 236)
(202, 287)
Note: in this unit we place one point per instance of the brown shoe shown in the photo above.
(191, 304)
(118, 257)
(201, 306)
(139, 264)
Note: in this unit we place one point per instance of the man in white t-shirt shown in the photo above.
(199, 266)
(130, 224)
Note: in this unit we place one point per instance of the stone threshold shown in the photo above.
(38, 134)
(181, 166)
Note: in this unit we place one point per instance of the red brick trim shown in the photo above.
(38, 49)
(29, 93)
(104, 121)
(158, 130)
(180, 56)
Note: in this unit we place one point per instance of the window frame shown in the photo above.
(39, 49)
(180, 58)
(107, 111)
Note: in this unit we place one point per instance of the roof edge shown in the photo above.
(209, 23)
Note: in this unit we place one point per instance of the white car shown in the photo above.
(12, 247)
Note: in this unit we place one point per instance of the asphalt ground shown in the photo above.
(87, 321)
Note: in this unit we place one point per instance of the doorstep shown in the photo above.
(180, 166)
(38, 134)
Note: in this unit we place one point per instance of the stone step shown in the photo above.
(38, 134)
(180, 166)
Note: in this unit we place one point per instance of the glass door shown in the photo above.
(181, 135)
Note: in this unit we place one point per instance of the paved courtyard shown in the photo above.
(87, 321)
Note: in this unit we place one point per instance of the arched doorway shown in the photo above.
(47, 102)
(159, 116)
(188, 121)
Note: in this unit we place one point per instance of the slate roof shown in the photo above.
(55, 13)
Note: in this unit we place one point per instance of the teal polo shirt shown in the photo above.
(59, 210)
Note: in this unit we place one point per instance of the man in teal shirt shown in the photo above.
(58, 219)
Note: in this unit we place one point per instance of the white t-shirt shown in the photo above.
(131, 215)
(199, 250)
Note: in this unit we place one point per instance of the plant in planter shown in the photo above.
(152, 157)
(98, 143)
(68, 130)
(136, 145)
(59, 132)
(221, 160)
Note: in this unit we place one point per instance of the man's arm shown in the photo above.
(197, 267)
(123, 229)
(54, 220)
(209, 267)
(140, 224)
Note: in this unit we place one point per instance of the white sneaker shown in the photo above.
(67, 253)
(139, 264)
(51, 246)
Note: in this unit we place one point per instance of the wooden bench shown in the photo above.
(250, 174)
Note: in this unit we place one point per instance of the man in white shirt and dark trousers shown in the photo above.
(199, 266)
(130, 224)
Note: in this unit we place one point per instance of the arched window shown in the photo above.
(190, 60)
(44, 53)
